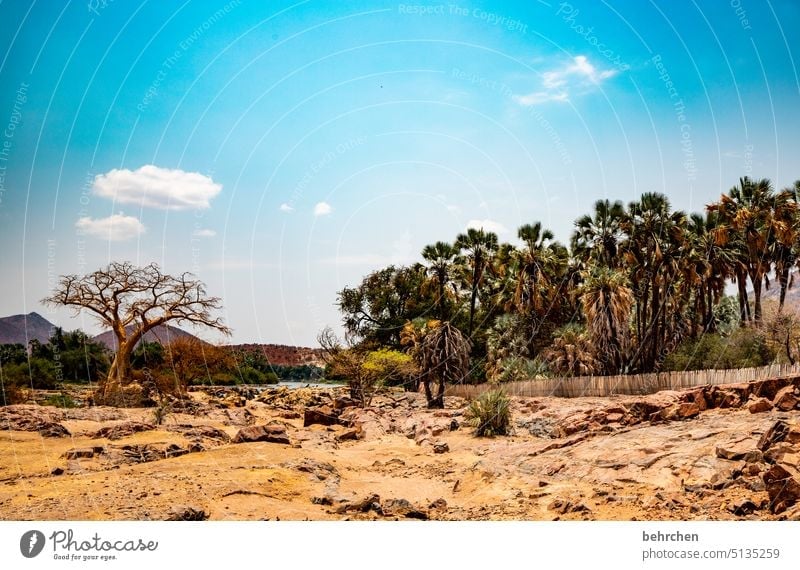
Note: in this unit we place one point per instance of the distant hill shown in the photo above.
(23, 328)
(282, 355)
(162, 334)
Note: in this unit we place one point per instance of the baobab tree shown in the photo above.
(132, 300)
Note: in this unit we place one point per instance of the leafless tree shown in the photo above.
(132, 300)
(347, 362)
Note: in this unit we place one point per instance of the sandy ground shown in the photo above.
(551, 467)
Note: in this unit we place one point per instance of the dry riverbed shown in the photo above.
(728, 452)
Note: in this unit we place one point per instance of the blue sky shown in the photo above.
(282, 150)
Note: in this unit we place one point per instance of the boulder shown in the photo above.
(323, 415)
(438, 504)
(441, 447)
(776, 433)
(54, 430)
(403, 508)
(785, 399)
(187, 514)
(564, 506)
(681, 411)
(728, 395)
(233, 401)
(122, 430)
(25, 417)
(368, 503)
(759, 405)
(793, 434)
(743, 507)
(201, 431)
(272, 433)
(782, 488)
(343, 402)
(79, 453)
(737, 451)
(351, 434)
(777, 452)
(145, 453)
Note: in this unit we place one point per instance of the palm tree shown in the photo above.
(598, 237)
(571, 353)
(535, 265)
(441, 256)
(783, 245)
(479, 246)
(653, 251)
(706, 269)
(747, 209)
(607, 301)
(442, 353)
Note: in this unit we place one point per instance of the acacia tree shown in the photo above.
(132, 300)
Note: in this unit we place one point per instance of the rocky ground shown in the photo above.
(726, 452)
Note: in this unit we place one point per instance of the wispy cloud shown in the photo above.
(539, 97)
(322, 209)
(118, 227)
(204, 233)
(154, 187)
(285, 208)
(558, 83)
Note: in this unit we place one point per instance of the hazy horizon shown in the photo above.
(281, 152)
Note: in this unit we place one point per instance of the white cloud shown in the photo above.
(322, 209)
(488, 226)
(114, 228)
(286, 208)
(540, 97)
(154, 187)
(556, 84)
(204, 233)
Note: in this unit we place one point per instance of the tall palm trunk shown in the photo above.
(783, 278)
(442, 304)
(474, 293)
(744, 304)
(757, 282)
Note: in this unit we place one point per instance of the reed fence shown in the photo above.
(629, 384)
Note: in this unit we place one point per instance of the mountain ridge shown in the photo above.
(22, 328)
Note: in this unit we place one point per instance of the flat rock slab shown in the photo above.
(272, 433)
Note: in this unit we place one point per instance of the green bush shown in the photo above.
(518, 368)
(390, 368)
(744, 348)
(36, 373)
(490, 414)
(224, 379)
(249, 375)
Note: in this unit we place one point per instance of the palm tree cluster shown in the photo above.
(635, 282)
